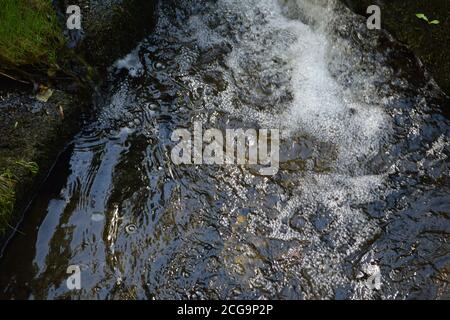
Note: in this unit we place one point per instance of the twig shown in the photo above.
(16, 230)
(12, 78)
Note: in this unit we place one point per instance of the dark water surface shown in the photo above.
(362, 192)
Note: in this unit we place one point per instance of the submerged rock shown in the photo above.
(110, 28)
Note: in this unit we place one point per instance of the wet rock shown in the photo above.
(110, 28)
(291, 292)
(376, 209)
(321, 222)
(297, 222)
(429, 43)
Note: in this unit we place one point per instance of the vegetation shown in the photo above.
(7, 197)
(425, 18)
(29, 34)
(8, 180)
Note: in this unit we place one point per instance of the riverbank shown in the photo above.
(32, 132)
(31, 41)
(48, 76)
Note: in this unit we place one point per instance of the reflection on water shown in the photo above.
(363, 186)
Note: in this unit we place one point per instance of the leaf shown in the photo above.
(32, 167)
(421, 16)
(44, 94)
(435, 22)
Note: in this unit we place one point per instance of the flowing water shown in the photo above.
(360, 207)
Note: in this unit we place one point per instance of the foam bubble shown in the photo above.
(130, 62)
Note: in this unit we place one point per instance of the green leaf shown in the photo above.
(421, 16)
(32, 167)
(435, 22)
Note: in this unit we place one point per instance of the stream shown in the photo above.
(360, 206)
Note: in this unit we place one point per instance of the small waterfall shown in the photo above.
(362, 141)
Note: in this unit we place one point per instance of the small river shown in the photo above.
(360, 206)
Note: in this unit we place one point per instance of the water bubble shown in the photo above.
(131, 228)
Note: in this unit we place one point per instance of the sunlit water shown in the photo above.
(362, 190)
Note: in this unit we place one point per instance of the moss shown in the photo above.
(8, 181)
(29, 34)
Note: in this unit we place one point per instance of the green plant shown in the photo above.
(31, 167)
(7, 197)
(8, 180)
(425, 18)
(29, 33)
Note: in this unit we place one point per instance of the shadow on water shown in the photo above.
(362, 192)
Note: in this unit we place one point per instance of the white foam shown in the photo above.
(289, 56)
(130, 62)
(320, 107)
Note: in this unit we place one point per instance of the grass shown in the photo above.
(8, 180)
(29, 34)
(7, 197)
